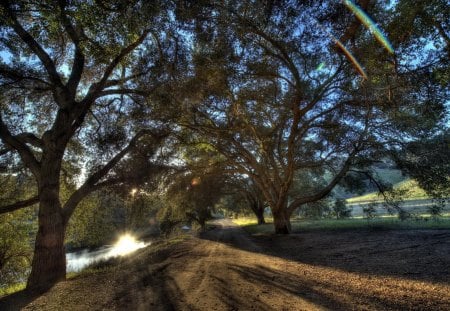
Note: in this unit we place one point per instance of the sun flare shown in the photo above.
(125, 245)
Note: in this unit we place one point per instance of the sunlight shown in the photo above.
(125, 245)
(196, 181)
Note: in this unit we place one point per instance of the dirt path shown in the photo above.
(225, 269)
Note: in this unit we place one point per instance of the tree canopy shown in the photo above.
(290, 97)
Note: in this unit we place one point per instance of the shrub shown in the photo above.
(340, 210)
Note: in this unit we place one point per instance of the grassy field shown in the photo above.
(411, 188)
(385, 222)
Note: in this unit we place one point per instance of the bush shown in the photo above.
(436, 209)
(403, 215)
(16, 231)
(369, 211)
(315, 210)
(340, 210)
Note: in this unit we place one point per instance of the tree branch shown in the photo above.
(30, 138)
(24, 151)
(325, 191)
(19, 205)
(98, 87)
(48, 63)
(91, 184)
(78, 62)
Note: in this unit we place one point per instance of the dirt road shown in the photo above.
(226, 269)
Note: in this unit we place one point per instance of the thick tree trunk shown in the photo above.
(260, 216)
(258, 209)
(49, 259)
(281, 221)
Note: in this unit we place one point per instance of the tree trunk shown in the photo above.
(49, 259)
(258, 209)
(281, 221)
(260, 216)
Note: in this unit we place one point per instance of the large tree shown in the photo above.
(279, 96)
(75, 79)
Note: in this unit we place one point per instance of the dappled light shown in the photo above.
(125, 122)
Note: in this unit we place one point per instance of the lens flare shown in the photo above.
(346, 52)
(125, 245)
(320, 67)
(351, 58)
(370, 24)
(196, 181)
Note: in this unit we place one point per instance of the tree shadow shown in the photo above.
(422, 255)
(18, 300)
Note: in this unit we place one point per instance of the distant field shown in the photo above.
(386, 222)
(411, 188)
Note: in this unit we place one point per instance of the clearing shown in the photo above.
(228, 269)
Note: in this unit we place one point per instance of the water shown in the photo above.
(77, 261)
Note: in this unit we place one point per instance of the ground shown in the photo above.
(227, 269)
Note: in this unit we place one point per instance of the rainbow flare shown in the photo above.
(370, 24)
(347, 53)
(350, 57)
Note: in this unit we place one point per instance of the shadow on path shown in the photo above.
(422, 255)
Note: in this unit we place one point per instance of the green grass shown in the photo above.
(385, 222)
(245, 221)
(413, 192)
(10, 289)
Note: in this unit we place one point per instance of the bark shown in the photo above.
(261, 220)
(258, 209)
(281, 221)
(49, 259)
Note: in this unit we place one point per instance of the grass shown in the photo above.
(245, 221)
(10, 289)
(385, 222)
(410, 186)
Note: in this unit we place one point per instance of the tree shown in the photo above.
(426, 161)
(254, 198)
(16, 230)
(72, 75)
(340, 210)
(193, 196)
(258, 94)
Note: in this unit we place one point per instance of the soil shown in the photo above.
(227, 269)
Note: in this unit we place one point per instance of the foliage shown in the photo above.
(403, 214)
(96, 221)
(426, 160)
(274, 117)
(76, 80)
(101, 93)
(340, 210)
(370, 211)
(437, 208)
(169, 218)
(16, 240)
(315, 210)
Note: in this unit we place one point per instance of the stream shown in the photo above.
(77, 261)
